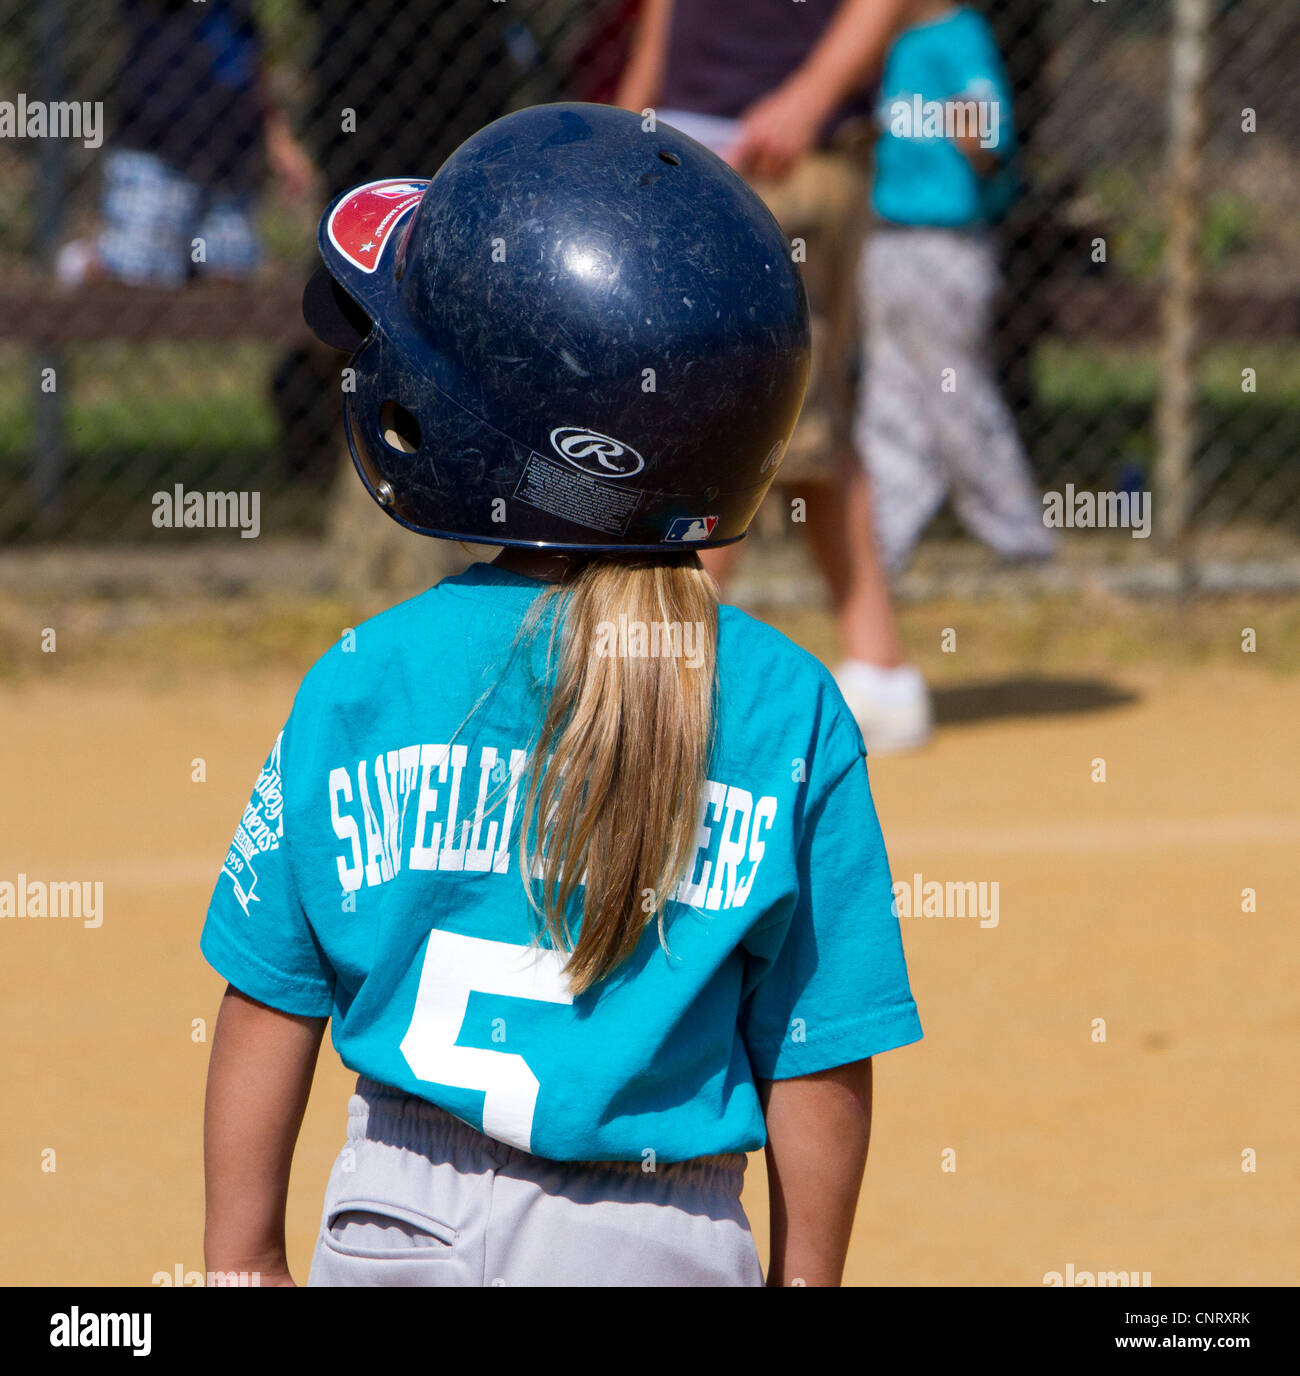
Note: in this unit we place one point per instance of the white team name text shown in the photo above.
(427, 807)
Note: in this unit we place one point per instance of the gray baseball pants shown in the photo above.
(419, 1198)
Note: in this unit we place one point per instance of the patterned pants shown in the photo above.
(931, 421)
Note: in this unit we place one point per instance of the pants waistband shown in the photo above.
(382, 1113)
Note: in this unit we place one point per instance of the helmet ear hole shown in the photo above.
(400, 429)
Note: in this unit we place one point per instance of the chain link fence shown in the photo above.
(149, 326)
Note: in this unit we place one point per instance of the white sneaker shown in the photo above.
(890, 706)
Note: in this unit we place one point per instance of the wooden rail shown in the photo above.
(40, 314)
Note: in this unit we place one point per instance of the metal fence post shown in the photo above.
(1176, 412)
(48, 429)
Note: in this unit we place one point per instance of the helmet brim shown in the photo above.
(360, 236)
(334, 317)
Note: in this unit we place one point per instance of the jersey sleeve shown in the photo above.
(257, 934)
(830, 986)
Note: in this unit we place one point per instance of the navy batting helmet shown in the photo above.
(580, 334)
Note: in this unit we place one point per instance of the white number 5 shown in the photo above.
(454, 967)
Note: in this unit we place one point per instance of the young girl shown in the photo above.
(583, 867)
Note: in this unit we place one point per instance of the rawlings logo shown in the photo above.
(773, 456)
(595, 453)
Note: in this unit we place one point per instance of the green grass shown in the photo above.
(1070, 374)
(139, 419)
(213, 397)
(159, 396)
(1230, 224)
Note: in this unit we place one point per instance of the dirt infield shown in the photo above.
(1118, 900)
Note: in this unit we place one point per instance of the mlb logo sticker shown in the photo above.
(364, 220)
(691, 528)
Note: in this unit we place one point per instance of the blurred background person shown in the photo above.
(395, 87)
(782, 92)
(932, 423)
(197, 126)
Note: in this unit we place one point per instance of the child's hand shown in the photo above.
(983, 160)
(983, 144)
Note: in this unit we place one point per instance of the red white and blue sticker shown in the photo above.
(687, 528)
(364, 220)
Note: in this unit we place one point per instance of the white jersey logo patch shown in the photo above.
(260, 829)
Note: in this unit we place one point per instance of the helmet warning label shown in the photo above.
(578, 497)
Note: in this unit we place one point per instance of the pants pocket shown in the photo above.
(372, 1243)
(376, 1230)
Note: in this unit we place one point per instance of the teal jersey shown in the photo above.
(943, 76)
(374, 879)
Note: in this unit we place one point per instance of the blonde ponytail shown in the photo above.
(622, 752)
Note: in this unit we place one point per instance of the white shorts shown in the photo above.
(715, 132)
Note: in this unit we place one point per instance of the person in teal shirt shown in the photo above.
(370, 805)
(946, 155)
(932, 424)
(581, 868)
